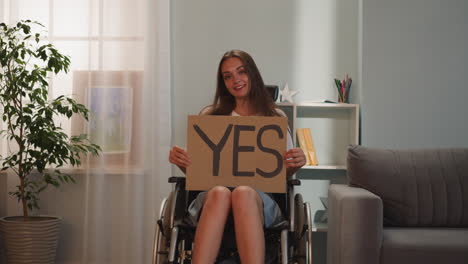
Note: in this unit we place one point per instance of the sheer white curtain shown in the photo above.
(120, 69)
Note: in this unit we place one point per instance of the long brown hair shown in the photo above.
(224, 103)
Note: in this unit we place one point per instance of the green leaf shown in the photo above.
(40, 142)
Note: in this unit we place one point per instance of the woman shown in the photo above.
(240, 91)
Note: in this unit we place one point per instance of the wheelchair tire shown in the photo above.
(160, 247)
(167, 217)
(299, 216)
(308, 234)
(302, 233)
(162, 250)
(300, 254)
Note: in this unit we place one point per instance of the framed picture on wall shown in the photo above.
(114, 100)
(110, 118)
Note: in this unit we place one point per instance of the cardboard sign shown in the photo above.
(237, 150)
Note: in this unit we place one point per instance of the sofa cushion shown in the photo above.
(424, 245)
(418, 187)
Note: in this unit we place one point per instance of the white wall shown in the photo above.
(304, 43)
(415, 68)
(325, 47)
(204, 30)
(2, 10)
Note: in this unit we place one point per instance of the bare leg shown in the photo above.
(211, 225)
(247, 207)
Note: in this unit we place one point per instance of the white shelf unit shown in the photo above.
(333, 128)
(324, 167)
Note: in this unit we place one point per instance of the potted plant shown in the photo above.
(37, 146)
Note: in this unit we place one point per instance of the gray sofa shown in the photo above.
(401, 206)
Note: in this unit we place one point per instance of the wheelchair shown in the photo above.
(290, 242)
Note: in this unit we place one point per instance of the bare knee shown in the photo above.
(218, 195)
(245, 195)
(247, 203)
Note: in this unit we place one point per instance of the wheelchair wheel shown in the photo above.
(167, 217)
(307, 240)
(300, 252)
(169, 244)
(160, 247)
(299, 216)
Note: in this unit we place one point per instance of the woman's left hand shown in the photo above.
(294, 158)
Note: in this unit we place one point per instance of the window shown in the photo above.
(105, 40)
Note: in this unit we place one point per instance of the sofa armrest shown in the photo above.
(355, 222)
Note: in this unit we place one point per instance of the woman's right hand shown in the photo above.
(178, 156)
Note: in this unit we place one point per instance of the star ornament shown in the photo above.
(287, 94)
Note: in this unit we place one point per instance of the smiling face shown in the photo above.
(236, 78)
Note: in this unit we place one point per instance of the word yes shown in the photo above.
(217, 148)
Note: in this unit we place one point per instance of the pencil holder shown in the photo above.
(343, 88)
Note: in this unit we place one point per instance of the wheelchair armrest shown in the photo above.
(175, 179)
(294, 182)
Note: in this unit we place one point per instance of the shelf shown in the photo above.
(285, 104)
(325, 167)
(327, 105)
(333, 127)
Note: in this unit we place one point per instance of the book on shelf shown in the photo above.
(308, 145)
(302, 144)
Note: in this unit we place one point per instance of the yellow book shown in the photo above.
(310, 147)
(302, 143)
